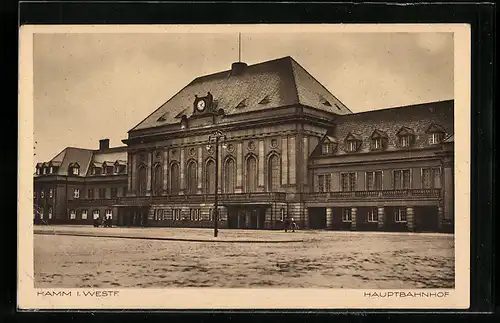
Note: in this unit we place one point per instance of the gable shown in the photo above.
(405, 131)
(378, 134)
(435, 128)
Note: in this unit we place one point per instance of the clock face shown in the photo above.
(201, 105)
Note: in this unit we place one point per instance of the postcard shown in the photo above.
(244, 166)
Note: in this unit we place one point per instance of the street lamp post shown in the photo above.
(216, 137)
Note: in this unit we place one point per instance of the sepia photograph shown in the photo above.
(246, 158)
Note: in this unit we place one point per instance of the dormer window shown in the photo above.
(108, 170)
(326, 148)
(76, 170)
(44, 171)
(351, 145)
(96, 171)
(404, 141)
(406, 137)
(352, 142)
(435, 134)
(38, 170)
(51, 170)
(435, 138)
(329, 145)
(378, 140)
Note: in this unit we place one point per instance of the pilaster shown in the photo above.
(329, 217)
(284, 161)
(381, 217)
(410, 219)
(261, 164)
(354, 216)
(239, 168)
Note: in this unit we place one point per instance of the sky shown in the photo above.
(90, 86)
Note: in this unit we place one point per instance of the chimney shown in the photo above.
(103, 144)
(238, 68)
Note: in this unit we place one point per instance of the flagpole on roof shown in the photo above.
(239, 47)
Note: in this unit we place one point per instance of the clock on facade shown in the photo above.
(200, 105)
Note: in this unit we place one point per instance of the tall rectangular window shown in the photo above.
(84, 214)
(42, 194)
(404, 141)
(109, 214)
(72, 214)
(102, 193)
(372, 215)
(176, 214)
(114, 192)
(95, 214)
(374, 180)
(324, 183)
(431, 178)
(348, 182)
(90, 193)
(400, 215)
(326, 148)
(402, 179)
(346, 215)
(159, 215)
(435, 138)
(51, 193)
(76, 193)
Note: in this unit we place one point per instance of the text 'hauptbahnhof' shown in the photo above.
(272, 144)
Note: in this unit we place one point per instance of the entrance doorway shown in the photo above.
(426, 218)
(246, 217)
(317, 218)
(133, 216)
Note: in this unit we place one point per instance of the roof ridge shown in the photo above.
(251, 65)
(321, 84)
(400, 107)
(294, 77)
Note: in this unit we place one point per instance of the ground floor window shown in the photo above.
(72, 214)
(372, 215)
(282, 215)
(159, 215)
(194, 215)
(50, 213)
(109, 214)
(400, 215)
(176, 214)
(346, 215)
(84, 214)
(95, 214)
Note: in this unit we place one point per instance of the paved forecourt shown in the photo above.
(176, 234)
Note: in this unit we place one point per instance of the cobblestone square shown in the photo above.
(323, 259)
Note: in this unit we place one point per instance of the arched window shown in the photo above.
(229, 176)
(191, 178)
(174, 178)
(142, 180)
(210, 177)
(157, 179)
(251, 174)
(273, 173)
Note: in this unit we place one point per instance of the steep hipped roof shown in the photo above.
(109, 157)
(262, 86)
(415, 119)
(73, 155)
(84, 158)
